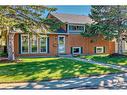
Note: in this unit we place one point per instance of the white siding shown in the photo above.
(124, 47)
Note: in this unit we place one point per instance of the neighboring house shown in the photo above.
(124, 47)
(66, 41)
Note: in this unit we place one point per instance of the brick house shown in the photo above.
(65, 41)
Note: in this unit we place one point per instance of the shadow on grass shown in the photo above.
(49, 69)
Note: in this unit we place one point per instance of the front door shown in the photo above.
(61, 44)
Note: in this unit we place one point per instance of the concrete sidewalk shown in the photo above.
(111, 81)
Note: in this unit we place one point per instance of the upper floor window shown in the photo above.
(76, 27)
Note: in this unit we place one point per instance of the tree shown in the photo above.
(109, 21)
(24, 18)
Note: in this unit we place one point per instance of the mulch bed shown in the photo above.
(117, 55)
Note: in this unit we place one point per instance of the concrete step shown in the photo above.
(65, 55)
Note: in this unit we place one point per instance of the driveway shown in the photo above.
(111, 81)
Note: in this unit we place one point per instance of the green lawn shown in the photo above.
(38, 69)
(106, 59)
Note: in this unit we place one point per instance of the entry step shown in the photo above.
(64, 55)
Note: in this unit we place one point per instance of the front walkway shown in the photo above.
(111, 81)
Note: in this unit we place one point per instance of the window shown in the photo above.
(76, 50)
(99, 49)
(24, 43)
(76, 27)
(61, 40)
(43, 44)
(33, 44)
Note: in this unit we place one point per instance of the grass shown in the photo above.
(38, 69)
(107, 59)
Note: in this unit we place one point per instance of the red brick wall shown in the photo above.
(71, 41)
(88, 47)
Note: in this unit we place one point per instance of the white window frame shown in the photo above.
(101, 48)
(31, 45)
(46, 44)
(21, 43)
(64, 43)
(75, 25)
(74, 48)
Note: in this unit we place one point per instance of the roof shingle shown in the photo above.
(72, 18)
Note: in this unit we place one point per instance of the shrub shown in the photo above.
(3, 53)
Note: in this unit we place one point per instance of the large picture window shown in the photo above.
(43, 44)
(33, 44)
(24, 43)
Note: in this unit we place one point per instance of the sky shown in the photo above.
(73, 9)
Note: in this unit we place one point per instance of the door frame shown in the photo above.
(64, 44)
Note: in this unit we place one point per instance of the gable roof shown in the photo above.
(72, 18)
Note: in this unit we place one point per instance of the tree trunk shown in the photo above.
(120, 45)
(10, 47)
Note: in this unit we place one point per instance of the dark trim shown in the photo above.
(104, 49)
(81, 50)
(94, 49)
(66, 28)
(71, 50)
(47, 44)
(19, 43)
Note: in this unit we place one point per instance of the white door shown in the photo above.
(61, 44)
